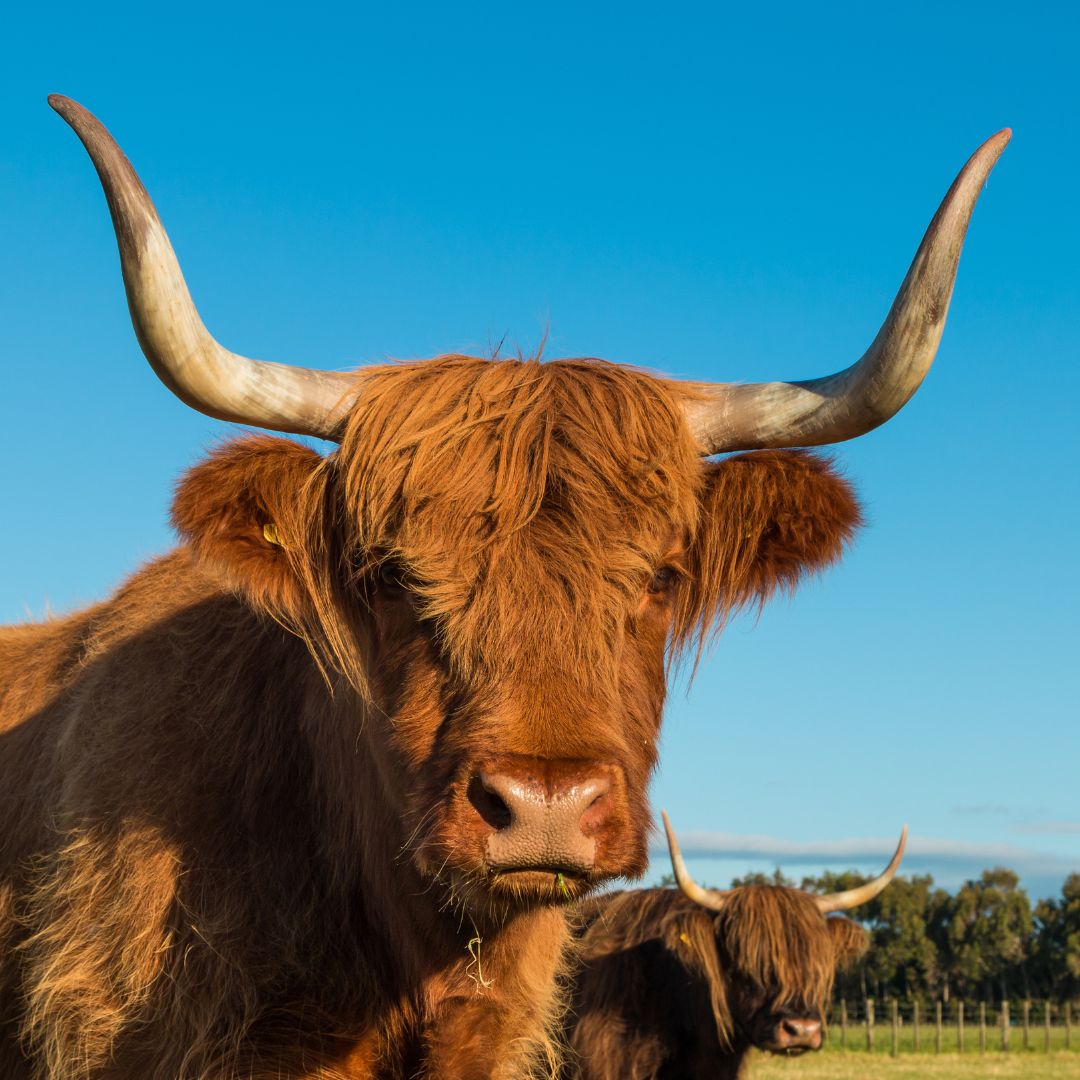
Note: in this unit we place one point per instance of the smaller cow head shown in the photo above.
(768, 953)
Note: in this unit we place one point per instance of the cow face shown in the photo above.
(498, 562)
(779, 955)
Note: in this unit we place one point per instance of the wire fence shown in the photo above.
(904, 1027)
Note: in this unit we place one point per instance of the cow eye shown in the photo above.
(663, 580)
(391, 575)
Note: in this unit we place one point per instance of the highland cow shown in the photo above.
(307, 797)
(682, 983)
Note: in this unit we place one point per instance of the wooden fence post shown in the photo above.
(937, 1030)
(843, 1024)
(1068, 1025)
(1027, 1018)
(982, 1027)
(1046, 1014)
(870, 1024)
(960, 1027)
(1005, 1025)
(894, 1008)
(915, 1023)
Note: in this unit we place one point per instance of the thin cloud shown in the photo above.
(982, 810)
(1062, 827)
(923, 852)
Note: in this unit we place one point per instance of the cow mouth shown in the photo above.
(498, 893)
(558, 884)
(771, 1046)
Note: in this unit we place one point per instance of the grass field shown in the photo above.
(843, 1065)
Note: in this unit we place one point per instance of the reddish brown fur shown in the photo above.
(236, 838)
(666, 988)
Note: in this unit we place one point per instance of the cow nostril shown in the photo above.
(597, 810)
(489, 804)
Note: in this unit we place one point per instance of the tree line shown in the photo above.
(985, 942)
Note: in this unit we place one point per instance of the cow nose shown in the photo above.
(798, 1034)
(543, 815)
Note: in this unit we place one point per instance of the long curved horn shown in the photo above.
(845, 901)
(180, 349)
(713, 899)
(755, 416)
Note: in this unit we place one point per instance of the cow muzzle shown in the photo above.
(549, 816)
(794, 1035)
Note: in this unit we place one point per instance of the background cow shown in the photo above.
(681, 984)
(304, 797)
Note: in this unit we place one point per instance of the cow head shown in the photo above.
(769, 953)
(500, 556)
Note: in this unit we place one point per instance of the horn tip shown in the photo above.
(68, 108)
(993, 148)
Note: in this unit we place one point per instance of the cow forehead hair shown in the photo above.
(776, 937)
(504, 484)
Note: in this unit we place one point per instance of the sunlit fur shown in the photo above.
(236, 840)
(665, 988)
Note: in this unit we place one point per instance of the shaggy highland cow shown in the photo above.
(308, 795)
(681, 984)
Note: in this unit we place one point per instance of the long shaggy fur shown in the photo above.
(666, 988)
(234, 793)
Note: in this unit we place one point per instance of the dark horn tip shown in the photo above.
(61, 104)
(75, 114)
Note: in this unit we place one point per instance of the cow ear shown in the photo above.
(767, 519)
(849, 939)
(689, 932)
(242, 512)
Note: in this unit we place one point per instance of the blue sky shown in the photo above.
(715, 194)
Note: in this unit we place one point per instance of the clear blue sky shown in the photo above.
(716, 193)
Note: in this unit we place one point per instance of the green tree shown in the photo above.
(1056, 952)
(990, 933)
(777, 877)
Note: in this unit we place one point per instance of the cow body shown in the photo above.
(243, 835)
(200, 877)
(665, 989)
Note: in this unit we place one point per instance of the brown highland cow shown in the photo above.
(679, 985)
(307, 796)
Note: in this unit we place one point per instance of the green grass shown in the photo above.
(838, 1065)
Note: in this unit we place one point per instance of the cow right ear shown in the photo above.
(849, 940)
(242, 511)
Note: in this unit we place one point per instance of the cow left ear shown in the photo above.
(849, 939)
(242, 511)
(767, 519)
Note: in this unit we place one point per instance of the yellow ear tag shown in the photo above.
(684, 939)
(271, 534)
